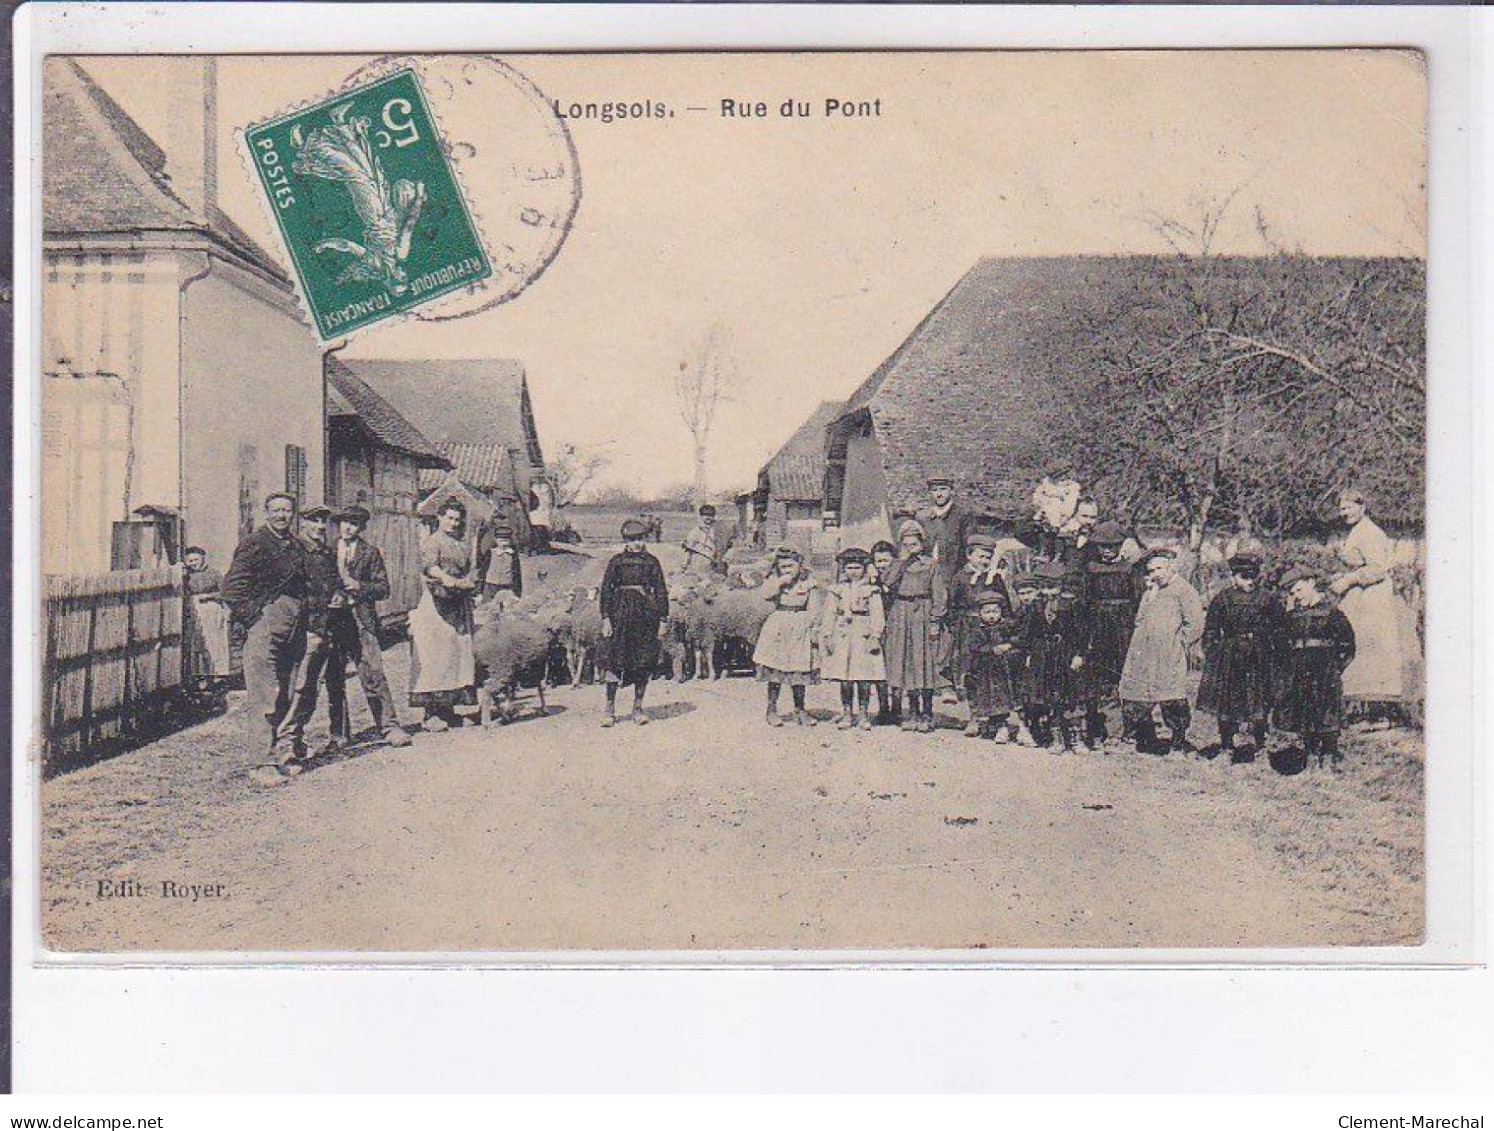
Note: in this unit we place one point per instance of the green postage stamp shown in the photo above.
(368, 204)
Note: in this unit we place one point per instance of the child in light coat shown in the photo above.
(851, 638)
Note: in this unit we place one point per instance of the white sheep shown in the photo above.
(512, 651)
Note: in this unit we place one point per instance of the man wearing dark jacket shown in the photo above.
(326, 656)
(265, 589)
(354, 618)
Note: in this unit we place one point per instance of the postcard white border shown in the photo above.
(66, 1004)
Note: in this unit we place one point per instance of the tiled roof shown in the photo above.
(971, 391)
(349, 395)
(797, 470)
(488, 467)
(481, 402)
(101, 173)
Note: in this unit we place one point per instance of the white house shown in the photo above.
(179, 385)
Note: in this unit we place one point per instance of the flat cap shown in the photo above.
(356, 514)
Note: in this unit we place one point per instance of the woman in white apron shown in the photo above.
(443, 674)
(1366, 594)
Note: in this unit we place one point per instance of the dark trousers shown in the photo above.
(1044, 720)
(1228, 727)
(1324, 744)
(362, 643)
(1140, 726)
(324, 663)
(272, 653)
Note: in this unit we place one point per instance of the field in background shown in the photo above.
(598, 524)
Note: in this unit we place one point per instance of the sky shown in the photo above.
(819, 243)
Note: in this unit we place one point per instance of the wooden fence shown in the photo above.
(115, 658)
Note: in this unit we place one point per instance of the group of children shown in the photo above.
(1044, 651)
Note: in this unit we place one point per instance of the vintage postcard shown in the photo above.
(955, 501)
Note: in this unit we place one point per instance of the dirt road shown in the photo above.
(705, 829)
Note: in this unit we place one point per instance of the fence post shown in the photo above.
(88, 672)
(131, 692)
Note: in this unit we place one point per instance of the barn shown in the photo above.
(375, 458)
(790, 496)
(479, 415)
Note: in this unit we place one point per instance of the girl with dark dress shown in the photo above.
(916, 602)
(635, 612)
(1240, 631)
(883, 555)
(992, 663)
(967, 587)
(1314, 647)
(1054, 637)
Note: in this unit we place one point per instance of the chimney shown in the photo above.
(190, 134)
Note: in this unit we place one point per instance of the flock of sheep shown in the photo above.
(713, 624)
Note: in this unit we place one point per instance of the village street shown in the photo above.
(707, 830)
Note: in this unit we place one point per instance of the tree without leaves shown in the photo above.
(1260, 394)
(574, 470)
(706, 378)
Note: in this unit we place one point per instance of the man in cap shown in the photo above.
(1315, 645)
(634, 603)
(354, 618)
(1169, 622)
(946, 522)
(499, 566)
(704, 552)
(1111, 589)
(1240, 633)
(324, 661)
(265, 588)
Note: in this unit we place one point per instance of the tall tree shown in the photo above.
(706, 377)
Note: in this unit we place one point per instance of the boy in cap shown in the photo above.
(1053, 637)
(975, 580)
(1239, 634)
(499, 566)
(1112, 590)
(851, 638)
(1169, 622)
(634, 603)
(1314, 647)
(993, 667)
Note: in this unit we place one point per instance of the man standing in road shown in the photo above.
(325, 661)
(354, 618)
(947, 523)
(704, 554)
(266, 588)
